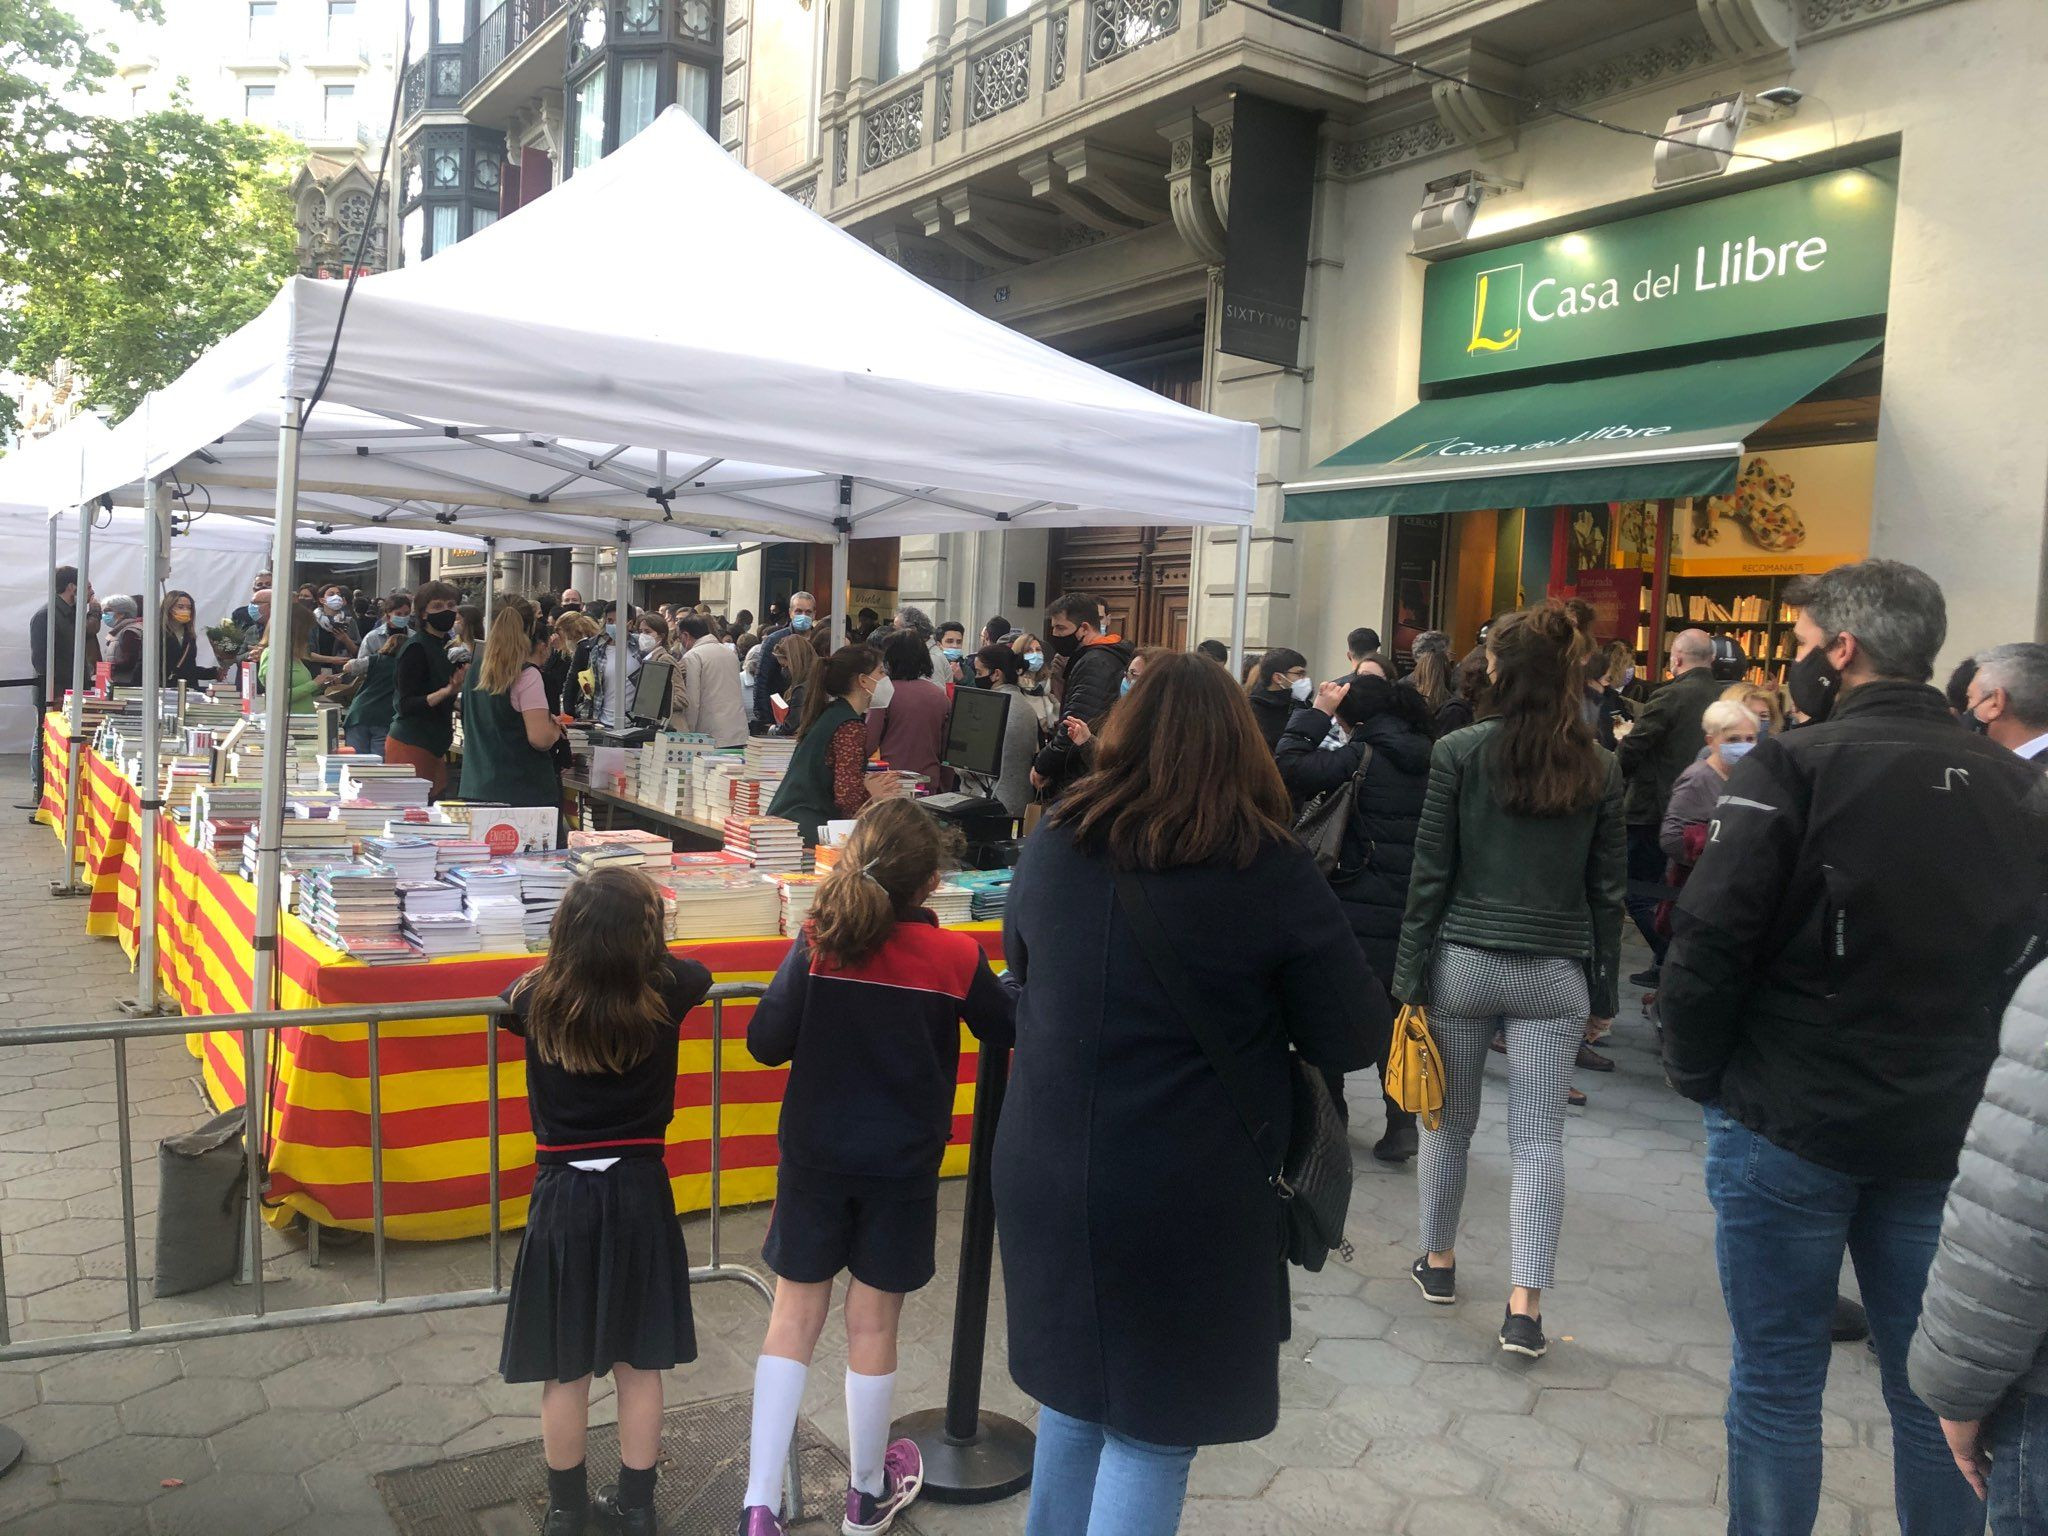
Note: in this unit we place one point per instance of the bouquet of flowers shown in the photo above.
(229, 640)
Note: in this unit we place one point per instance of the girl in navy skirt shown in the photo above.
(603, 1282)
(866, 1009)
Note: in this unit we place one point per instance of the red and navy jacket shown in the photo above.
(874, 1054)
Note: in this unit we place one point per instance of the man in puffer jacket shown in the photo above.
(1980, 1356)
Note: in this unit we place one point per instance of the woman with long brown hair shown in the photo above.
(827, 777)
(800, 668)
(1123, 1175)
(1514, 923)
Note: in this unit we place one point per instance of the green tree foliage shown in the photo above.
(127, 245)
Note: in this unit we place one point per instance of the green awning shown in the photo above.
(682, 562)
(1624, 437)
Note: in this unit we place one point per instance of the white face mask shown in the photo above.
(645, 641)
(885, 690)
(336, 602)
(1301, 688)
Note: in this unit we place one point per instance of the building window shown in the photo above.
(447, 226)
(589, 146)
(412, 231)
(338, 110)
(906, 28)
(258, 102)
(262, 20)
(341, 22)
(135, 100)
(638, 79)
(693, 93)
(451, 18)
(482, 219)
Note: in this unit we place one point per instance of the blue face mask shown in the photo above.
(800, 622)
(1736, 751)
(611, 631)
(1033, 660)
(1123, 688)
(950, 652)
(399, 621)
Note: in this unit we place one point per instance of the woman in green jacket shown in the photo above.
(298, 637)
(827, 778)
(508, 732)
(1514, 923)
(368, 720)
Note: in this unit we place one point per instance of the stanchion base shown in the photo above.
(12, 1449)
(995, 1464)
(67, 889)
(135, 1010)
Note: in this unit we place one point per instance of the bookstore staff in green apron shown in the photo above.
(508, 735)
(827, 778)
(423, 717)
(368, 720)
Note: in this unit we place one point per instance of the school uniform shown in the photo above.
(874, 1058)
(603, 1276)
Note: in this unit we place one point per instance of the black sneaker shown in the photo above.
(1648, 978)
(1521, 1334)
(1852, 1324)
(1439, 1285)
(1397, 1146)
(563, 1521)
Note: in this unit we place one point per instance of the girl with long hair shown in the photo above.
(827, 777)
(182, 642)
(298, 634)
(1514, 924)
(866, 1010)
(602, 1282)
(508, 731)
(1433, 669)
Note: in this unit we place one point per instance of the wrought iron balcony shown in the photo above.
(514, 54)
(500, 33)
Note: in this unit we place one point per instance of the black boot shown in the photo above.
(1399, 1143)
(1850, 1322)
(626, 1519)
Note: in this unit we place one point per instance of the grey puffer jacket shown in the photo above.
(1984, 1319)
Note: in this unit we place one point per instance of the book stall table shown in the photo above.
(433, 1072)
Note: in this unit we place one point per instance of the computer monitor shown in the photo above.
(975, 730)
(651, 691)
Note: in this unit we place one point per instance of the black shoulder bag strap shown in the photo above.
(1151, 936)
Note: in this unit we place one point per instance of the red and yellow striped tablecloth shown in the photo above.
(433, 1073)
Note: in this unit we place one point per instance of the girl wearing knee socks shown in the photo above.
(866, 1009)
(602, 1283)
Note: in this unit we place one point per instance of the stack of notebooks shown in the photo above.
(990, 890)
(767, 757)
(770, 843)
(410, 859)
(380, 783)
(451, 854)
(543, 877)
(351, 907)
(951, 904)
(429, 898)
(445, 933)
(798, 891)
(490, 896)
(724, 904)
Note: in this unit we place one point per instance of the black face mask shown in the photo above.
(440, 623)
(1813, 683)
(1065, 645)
(1972, 722)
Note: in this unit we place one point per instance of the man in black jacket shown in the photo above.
(1095, 674)
(770, 676)
(1664, 742)
(50, 659)
(1871, 890)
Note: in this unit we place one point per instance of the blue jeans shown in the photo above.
(1646, 862)
(1782, 1224)
(2017, 1438)
(1088, 1480)
(366, 739)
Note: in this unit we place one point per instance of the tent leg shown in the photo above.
(490, 585)
(45, 676)
(842, 583)
(146, 1004)
(622, 594)
(277, 727)
(74, 726)
(1238, 601)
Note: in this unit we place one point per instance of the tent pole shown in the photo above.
(842, 576)
(74, 727)
(49, 669)
(490, 585)
(145, 1004)
(623, 624)
(1238, 601)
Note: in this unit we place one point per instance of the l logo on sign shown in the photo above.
(1496, 310)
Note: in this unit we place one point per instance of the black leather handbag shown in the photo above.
(1313, 1178)
(1325, 820)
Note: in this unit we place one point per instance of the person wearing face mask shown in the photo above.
(2006, 699)
(651, 635)
(395, 610)
(1731, 732)
(184, 644)
(769, 678)
(368, 721)
(1607, 706)
(339, 620)
(1280, 685)
(827, 777)
(1031, 686)
(604, 709)
(425, 687)
(997, 669)
(1664, 739)
(1095, 664)
(1839, 963)
(909, 731)
(952, 641)
(123, 643)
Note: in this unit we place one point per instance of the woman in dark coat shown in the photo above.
(1279, 685)
(1142, 1242)
(1388, 729)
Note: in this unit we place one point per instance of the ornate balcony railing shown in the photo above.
(415, 89)
(999, 79)
(1118, 27)
(492, 39)
(892, 130)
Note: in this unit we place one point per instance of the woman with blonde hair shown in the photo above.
(1767, 704)
(800, 665)
(508, 731)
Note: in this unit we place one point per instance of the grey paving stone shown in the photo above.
(1464, 1517)
(1651, 1473)
(1443, 1340)
(1424, 1468)
(249, 1356)
(134, 1468)
(1515, 1440)
(288, 1442)
(1334, 1499)
(1313, 1437)
(55, 1431)
(417, 1415)
(1241, 1471)
(1496, 1387)
(109, 1378)
(334, 1383)
(1338, 1317)
(192, 1407)
(1365, 1362)
(76, 1518)
(343, 1483)
(246, 1505)
(1671, 1392)
(1595, 1417)
(447, 1360)
(1564, 1503)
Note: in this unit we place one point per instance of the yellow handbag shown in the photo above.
(1415, 1070)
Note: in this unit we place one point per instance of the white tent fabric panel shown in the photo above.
(50, 471)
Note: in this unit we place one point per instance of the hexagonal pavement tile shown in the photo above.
(366, 1522)
(246, 1505)
(448, 1360)
(1499, 1388)
(1240, 1471)
(491, 1434)
(1681, 1520)
(17, 1391)
(343, 1484)
(1305, 1386)
(367, 1335)
(1338, 1317)
(1699, 1438)
(69, 1184)
(80, 1301)
(287, 1442)
(73, 1518)
(49, 1136)
(1334, 1499)
(1595, 1418)
(112, 1377)
(417, 1415)
(1671, 1392)
(1365, 1362)
(29, 1273)
(1651, 1473)
(248, 1356)
(337, 1383)
(193, 1406)
(54, 1431)
(1517, 1440)
(1237, 1517)
(30, 1486)
(1442, 1340)
(1423, 1468)
(1315, 1437)
(132, 1469)
(1858, 1474)
(1564, 1503)
(1400, 1414)
(1463, 1517)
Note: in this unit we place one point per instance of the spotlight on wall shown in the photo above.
(1699, 141)
(1448, 204)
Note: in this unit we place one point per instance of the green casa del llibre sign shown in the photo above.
(1799, 253)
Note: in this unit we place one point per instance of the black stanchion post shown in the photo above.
(973, 1457)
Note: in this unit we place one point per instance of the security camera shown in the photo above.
(1784, 97)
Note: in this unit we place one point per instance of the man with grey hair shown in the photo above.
(2008, 698)
(1664, 742)
(770, 677)
(1869, 895)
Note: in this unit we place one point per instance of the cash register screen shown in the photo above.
(974, 732)
(650, 691)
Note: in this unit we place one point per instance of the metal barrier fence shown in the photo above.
(118, 1032)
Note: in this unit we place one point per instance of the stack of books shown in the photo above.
(798, 891)
(589, 860)
(989, 890)
(654, 848)
(767, 757)
(350, 904)
(452, 853)
(711, 789)
(410, 859)
(716, 858)
(724, 904)
(951, 904)
(490, 896)
(770, 843)
(445, 933)
(380, 783)
(429, 898)
(543, 877)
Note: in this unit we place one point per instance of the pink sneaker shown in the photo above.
(902, 1481)
(760, 1520)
